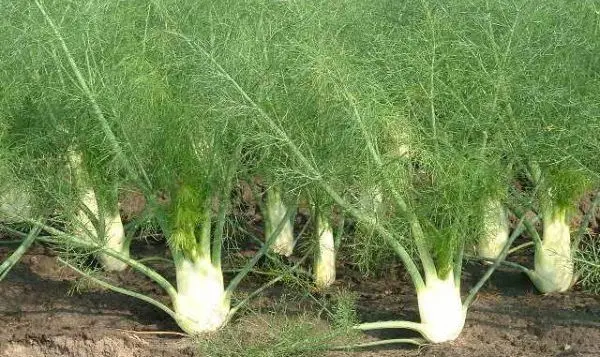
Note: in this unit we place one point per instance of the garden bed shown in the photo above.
(509, 318)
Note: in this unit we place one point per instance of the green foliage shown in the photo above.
(344, 315)
(459, 77)
(433, 104)
(187, 212)
(44, 110)
(587, 263)
(565, 187)
(278, 335)
(368, 253)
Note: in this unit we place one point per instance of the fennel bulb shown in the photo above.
(496, 229)
(114, 238)
(553, 266)
(15, 205)
(110, 231)
(275, 213)
(201, 303)
(441, 310)
(324, 264)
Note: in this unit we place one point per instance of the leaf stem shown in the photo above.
(473, 292)
(7, 264)
(150, 273)
(415, 227)
(233, 284)
(121, 290)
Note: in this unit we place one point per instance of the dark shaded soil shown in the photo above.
(39, 317)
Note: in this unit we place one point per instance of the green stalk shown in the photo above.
(537, 240)
(205, 230)
(520, 246)
(415, 227)
(155, 259)
(82, 243)
(10, 262)
(458, 264)
(296, 266)
(473, 292)
(217, 240)
(224, 202)
(411, 341)
(339, 233)
(248, 267)
(120, 290)
(507, 263)
(414, 326)
(11, 242)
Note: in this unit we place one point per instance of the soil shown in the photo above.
(509, 318)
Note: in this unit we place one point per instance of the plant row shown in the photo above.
(428, 125)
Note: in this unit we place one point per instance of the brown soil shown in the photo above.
(509, 318)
